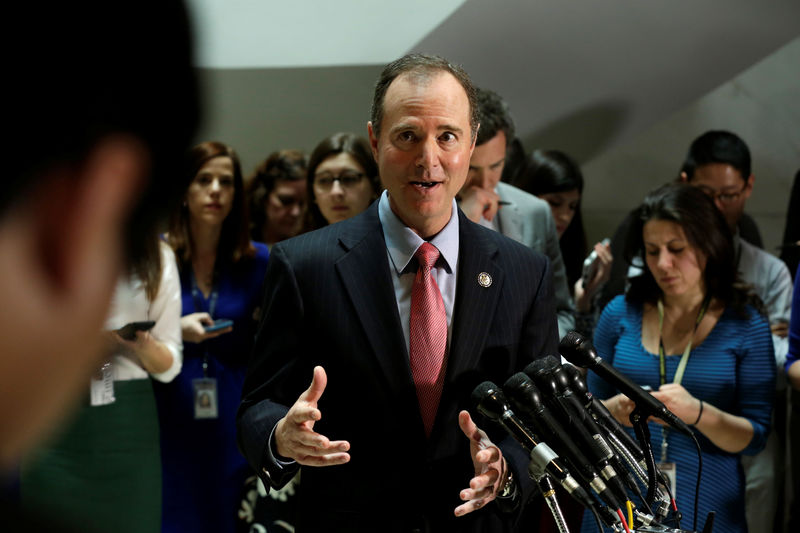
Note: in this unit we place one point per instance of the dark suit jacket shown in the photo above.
(330, 301)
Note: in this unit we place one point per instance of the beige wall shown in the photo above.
(762, 105)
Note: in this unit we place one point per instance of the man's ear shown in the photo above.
(475, 140)
(373, 140)
(81, 213)
(748, 187)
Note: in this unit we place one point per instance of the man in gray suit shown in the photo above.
(507, 209)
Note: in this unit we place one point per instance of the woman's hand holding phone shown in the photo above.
(197, 327)
(597, 270)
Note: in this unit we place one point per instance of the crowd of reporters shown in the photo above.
(154, 446)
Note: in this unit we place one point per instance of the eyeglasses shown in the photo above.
(347, 179)
(723, 197)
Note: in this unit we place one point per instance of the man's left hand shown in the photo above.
(490, 467)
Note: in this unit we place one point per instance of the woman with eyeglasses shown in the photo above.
(276, 196)
(221, 274)
(342, 179)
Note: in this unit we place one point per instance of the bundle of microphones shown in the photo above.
(573, 440)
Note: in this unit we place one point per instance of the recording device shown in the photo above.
(600, 412)
(491, 402)
(580, 352)
(220, 323)
(591, 264)
(625, 446)
(128, 331)
(527, 399)
(553, 382)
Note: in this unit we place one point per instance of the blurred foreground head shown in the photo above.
(101, 106)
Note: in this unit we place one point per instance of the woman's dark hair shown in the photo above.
(707, 232)
(283, 165)
(343, 142)
(146, 266)
(234, 241)
(551, 171)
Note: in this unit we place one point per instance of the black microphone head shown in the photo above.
(542, 365)
(523, 394)
(489, 400)
(575, 379)
(578, 350)
(540, 371)
(562, 378)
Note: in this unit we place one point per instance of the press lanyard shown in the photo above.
(662, 361)
(197, 298)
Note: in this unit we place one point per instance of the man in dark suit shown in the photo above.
(377, 453)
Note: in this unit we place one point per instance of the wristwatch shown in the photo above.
(509, 487)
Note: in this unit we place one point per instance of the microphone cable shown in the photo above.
(699, 475)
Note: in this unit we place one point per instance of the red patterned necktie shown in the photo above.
(427, 336)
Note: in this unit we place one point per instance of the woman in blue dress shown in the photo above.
(221, 273)
(693, 333)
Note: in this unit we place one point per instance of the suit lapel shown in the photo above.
(475, 303)
(364, 271)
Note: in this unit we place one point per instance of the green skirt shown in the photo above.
(103, 471)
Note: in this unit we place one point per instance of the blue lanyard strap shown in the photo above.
(197, 299)
(197, 296)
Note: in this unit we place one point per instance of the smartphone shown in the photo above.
(591, 264)
(128, 331)
(220, 323)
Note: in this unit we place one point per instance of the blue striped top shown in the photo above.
(732, 369)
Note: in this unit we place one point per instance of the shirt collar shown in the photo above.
(402, 242)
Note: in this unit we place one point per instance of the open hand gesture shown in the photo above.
(295, 437)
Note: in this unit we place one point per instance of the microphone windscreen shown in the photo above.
(577, 349)
(489, 400)
(543, 365)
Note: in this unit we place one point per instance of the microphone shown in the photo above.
(580, 352)
(600, 412)
(527, 399)
(547, 374)
(625, 446)
(491, 402)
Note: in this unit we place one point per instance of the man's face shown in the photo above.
(424, 148)
(726, 186)
(487, 162)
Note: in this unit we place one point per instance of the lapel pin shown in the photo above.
(484, 280)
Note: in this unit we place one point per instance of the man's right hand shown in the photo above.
(477, 202)
(295, 437)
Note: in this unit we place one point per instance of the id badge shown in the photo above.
(101, 391)
(205, 398)
(670, 471)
